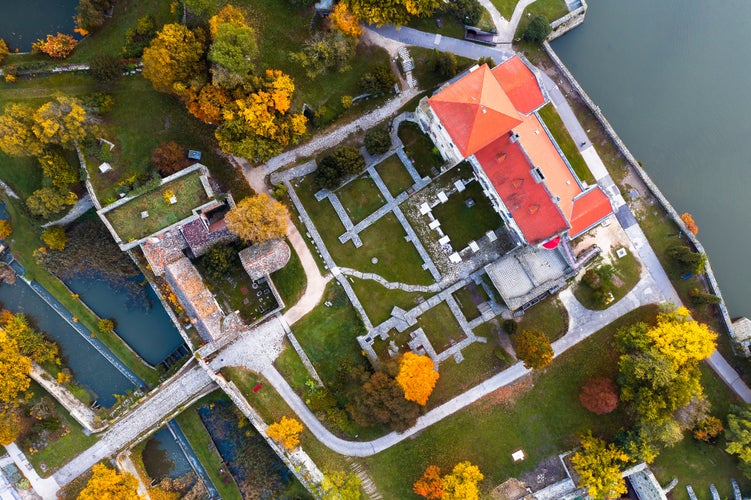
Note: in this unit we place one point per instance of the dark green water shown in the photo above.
(673, 79)
(25, 21)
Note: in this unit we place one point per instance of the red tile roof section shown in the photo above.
(508, 169)
(520, 85)
(589, 209)
(475, 110)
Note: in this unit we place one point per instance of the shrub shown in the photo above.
(444, 64)
(54, 237)
(708, 429)
(139, 37)
(106, 68)
(332, 169)
(218, 260)
(346, 101)
(533, 347)
(510, 326)
(377, 141)
(688, 260)
(599, 395)
(105, 325)
(381, 79)
(56, 46)
(466, 11)
(5, 229)
(168, 158)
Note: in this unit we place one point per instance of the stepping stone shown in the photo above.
(459, 185)
(444, 241)
(144, 214)
(491, 236)
(474, 246)
(455, 258)
(442, 197)
(434, 224)
(424, 209)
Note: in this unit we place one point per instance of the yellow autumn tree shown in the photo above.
(599, 466)
(258, 218)
(227, 14)
(5, 229)
(461, 484)
(14, 369)
(108, 484)
(383, 12)
(682, 339)
(63, 121)
(286, 432)
(417, 377)
(346, 22)
(17, 137)
(173, 62)
(9, 426)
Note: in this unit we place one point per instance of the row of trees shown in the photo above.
(460, 484)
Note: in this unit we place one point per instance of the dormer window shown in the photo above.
(537, 174)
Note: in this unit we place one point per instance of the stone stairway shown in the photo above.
(408, 64)
(366, 482)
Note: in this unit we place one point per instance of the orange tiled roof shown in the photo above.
(543, 154)
(589, 208)
(475, 110)
(529, 202)
(520, 85)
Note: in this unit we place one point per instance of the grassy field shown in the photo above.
(505, 7)
(540, 414)
(451, 26)
(463, 223)
(127, 218)
(419, 149)
(426, 78)
(550, 9)
(379, 301)
(548, 316)
(327, 334)
(468, 298)
(556, 127)
(290, 281)
(441, 327)
(394, 174)
(626, 269)
(203, 446)
(360, 198)
(292, 368)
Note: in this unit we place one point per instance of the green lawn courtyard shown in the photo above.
(420, 149)
(360, 198)
(463, 220)
(394, 175)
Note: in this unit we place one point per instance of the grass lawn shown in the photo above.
(26, 239)
(397, 259)
(426, 78)
(480, 363)
(561, 135)
(378, 301)
(540, 414)
(59, 452)
(548, 316)
(327, 334)
(451, 25)
(23, 175)
(626, 269)
(394, 174)
(292, 368)
(468, 298)
(203, 446)
(127, 220)
(290, 281)
(360, 198)
(551, 9)
(420, 149)
(441, 327)
(464, 224)
(505, 7)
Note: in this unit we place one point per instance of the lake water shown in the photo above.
(672, 77)
(25, 21)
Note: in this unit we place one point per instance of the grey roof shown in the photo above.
(742, 329)
(526, 274)
(198, 301)
(264, 258)
(646, 486)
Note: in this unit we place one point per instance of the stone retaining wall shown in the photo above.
(568, 22)
(639, 171)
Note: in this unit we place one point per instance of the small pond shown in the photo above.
(163, 457)
(142, 323)
(24, 22)
(90, 369)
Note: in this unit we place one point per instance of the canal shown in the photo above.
(672, 78)
(24, 22)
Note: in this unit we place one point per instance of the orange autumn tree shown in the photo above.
(56, 46)
(688, 219)
(417, 377)
(430, 485)
(286, 432)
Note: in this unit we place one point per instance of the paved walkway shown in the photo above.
(82, 206)
(45, 488)
(151, 412)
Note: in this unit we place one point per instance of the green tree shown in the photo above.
(233, 55)
(380, 79)
(173, 61)
(45, 202)
(105, 325)
(326, 50)
(738, 434)
(340, 485)
(533, 347)
(138, 37)
(91, 14)
(106, 68)
(377, 141)
(219, 260)
(444, 64)
(538, 30)
(599, 467)
(258, 218)
(55, 237)
(200, 8)
(345, 161)
(688, 260)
